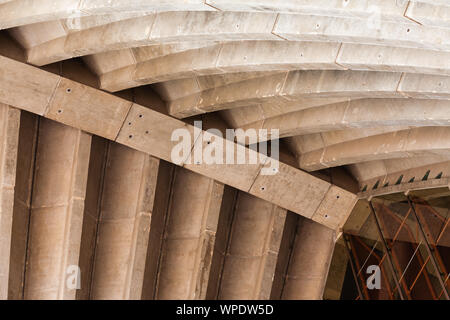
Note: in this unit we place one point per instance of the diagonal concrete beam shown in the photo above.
(400, 144)
(148, 131)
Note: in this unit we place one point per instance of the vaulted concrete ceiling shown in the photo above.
(360, 87)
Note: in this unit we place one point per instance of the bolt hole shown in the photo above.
(130, 136)
(140, 116)
(146, 132)
(408, 30)
(263, 188)
(68, 90)
(59, 111)
(129, 123)
(326, 216)
(337, 197)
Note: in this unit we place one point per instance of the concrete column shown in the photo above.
(189, 236)
(252, 251)
(59, 189)
(92, 207)
(28, 134)
(156, 239)
(309, 261)
(124, 224)
(9, 140)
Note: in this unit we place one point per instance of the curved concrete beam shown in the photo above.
(239, 117)
(310, 142)
(400, 144)
(166, 27)
(250, 56)
(362, 113)
(13, 14)
(294, 85)
(31, 35)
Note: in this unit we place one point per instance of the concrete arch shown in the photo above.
(251, 56)
(293, 85)
(221, 26)
(362, 113)
(400, 144)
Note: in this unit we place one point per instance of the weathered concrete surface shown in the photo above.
(145, 30)
(59, 189)
(124, 224)
(400, 144)
(9, 145)
(26, 152)
(362, 113)
(249, 251)
(309, 262)
(253, 56)
(189, 236)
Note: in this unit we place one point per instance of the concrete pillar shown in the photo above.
(156, 239)
(28, 134)
(252, 249)
(309, 261)
(59, 189)
(97, 164)
(9, 140)
(124, 224)
(189, 236)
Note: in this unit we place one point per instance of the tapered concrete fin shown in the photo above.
(309, 261)
(189, 236)
(28, 133)
(91, 215)
(250, 251)
(59, 189)
(124, 224)
(9, 145)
